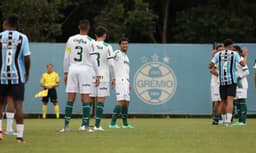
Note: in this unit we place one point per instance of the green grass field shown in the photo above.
(148, 136)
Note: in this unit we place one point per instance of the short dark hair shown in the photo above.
(12, 20)
(49, 65)
(237, 48)
(218, 46)
(84, 24)
(228, 42)
(100, 31)
(123, 39)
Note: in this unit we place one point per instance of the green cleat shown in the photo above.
(128, 126)
(114, 126)
(239, 124)
(12, 133)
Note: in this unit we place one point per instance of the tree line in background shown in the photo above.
(142, 21)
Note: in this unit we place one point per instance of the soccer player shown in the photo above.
(121, 84)
(215, 93)
(78, 64)
(15, 65)
(105, 56)
(226, 60)
(50, 80)
(9, 111)
(241, 91)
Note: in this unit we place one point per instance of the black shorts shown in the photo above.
(52, 94)
(227, 90)
(15, 90)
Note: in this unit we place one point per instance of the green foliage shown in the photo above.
(211, 23)
(137, 21)
(112, 17)
(141, 20)
(39, 19)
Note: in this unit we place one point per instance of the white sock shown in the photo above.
(224, 118)
(1, 125)
(20, 130)
(229, 117)
(10, 117)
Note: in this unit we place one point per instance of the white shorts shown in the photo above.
(241, 93)
(215, 93)
(101, 91)
(123, 91)
(79, 80)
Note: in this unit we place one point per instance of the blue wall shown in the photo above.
(168, 78)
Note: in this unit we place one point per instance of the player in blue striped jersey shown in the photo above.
(14, 70)
(226, 60)
(8, 111)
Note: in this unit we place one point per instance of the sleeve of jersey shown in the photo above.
(26, 50)
(215, 59)
(238, 58)
(111, 53)
(92, 49)
(95, 64)
(67, 57)
(42, 79)
(245, 72)
(112, 67)
(117, 54)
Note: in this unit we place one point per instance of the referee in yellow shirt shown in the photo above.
(50, 80)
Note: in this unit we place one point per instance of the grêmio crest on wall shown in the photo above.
(155, 82)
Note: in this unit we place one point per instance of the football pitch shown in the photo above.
(148, 136)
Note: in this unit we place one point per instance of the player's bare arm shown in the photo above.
(27, 67)
(65, 77)
(244, 52)
(214, 71)
(214, 52)
(97, 81)
(113, 83)
(245, 55)
(243, 62)
(211, 65)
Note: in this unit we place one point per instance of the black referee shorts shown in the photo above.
(227, 90)
(52, 94)
(14, 90)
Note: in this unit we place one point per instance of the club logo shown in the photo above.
(155, 82)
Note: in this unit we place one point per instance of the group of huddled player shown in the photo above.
(87, 67)
(229, 84)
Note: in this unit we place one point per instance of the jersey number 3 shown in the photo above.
(79, 53)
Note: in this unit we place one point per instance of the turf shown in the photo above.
(148, 136)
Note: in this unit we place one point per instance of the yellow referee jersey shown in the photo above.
(50, 79)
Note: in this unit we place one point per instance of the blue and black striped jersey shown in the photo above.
(13, 47)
